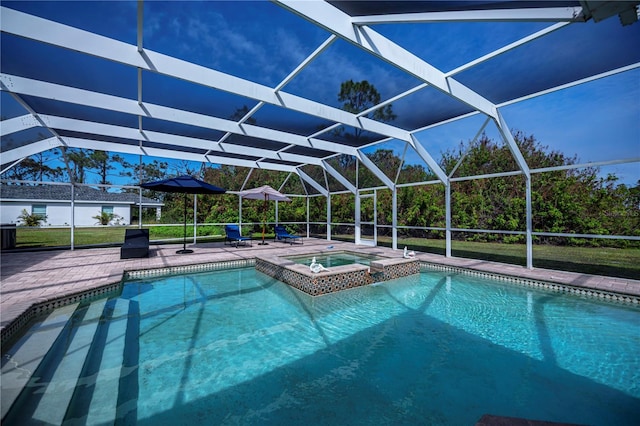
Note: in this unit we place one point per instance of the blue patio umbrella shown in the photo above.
(187, 185)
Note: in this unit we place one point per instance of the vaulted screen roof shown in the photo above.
(160, 79)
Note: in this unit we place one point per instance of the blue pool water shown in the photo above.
(335, 259)
(237, 347)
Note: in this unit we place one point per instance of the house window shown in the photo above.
(39, 209)
(107, 209)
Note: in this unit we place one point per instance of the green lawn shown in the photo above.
(600, 261)
(613, 262)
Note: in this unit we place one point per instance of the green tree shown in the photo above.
(563, 201)
(103, 163)
(79, 162)
(357, 97)
(360, 96)
(36, 168)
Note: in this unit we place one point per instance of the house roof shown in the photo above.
(63, 193)
(81, 83)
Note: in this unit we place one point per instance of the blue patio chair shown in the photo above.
(233, 236)
(283, 235)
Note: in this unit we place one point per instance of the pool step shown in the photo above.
(79, 365)
(103, 404)
(57, 395)
(19, 365)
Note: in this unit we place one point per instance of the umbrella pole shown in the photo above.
(264, 221)
(184, 234)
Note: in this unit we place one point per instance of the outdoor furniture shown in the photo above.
(233, 236)
(283, 235)
(136, 244)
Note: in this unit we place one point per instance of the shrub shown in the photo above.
(30, 219)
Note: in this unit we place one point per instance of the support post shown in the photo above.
(195, 220)
(447, 213)
(308, 228)
(329, 217)
(358, 214)
(394, 219)
(73, 214)
(529, 223)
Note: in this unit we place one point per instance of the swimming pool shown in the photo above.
(237, 347)
(339, 258)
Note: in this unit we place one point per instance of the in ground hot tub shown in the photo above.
(296, 272)
(337, 258)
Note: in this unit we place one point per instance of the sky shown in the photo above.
(261, 42)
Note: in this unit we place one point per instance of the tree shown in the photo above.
(360, 96)
(35, 168)
(240, 113)
(79, 163)
(102, 162)
(357, 97)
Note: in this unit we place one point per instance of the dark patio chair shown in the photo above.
(233, 236)
(283, 235)
(136, 244)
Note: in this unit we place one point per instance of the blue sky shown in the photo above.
(262, 42)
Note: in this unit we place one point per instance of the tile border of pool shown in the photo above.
(39, 308)
(540, 284)
(200, 267)
(9, 332)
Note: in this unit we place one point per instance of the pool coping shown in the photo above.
(20, 304)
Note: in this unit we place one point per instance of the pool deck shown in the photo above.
(30, 278)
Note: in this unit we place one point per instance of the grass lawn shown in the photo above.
(27, 238)
(613, 262)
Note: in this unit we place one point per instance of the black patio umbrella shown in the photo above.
(186, 185)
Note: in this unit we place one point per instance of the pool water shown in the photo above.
(329, 260)
(237, 347)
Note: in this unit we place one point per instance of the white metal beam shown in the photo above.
(375, 170)
(30, 149)
(164, 153)
(43, 30)
(102, 129)
(538, 14)
(55, 142)
(507, 48)
(18, 124)
(339, 23)
(511, 144)
(25, 86)
(328, 42)
(338, 176)
(305, 177)
(572, 84)
(424, 154)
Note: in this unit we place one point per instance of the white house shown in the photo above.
(54, 203)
